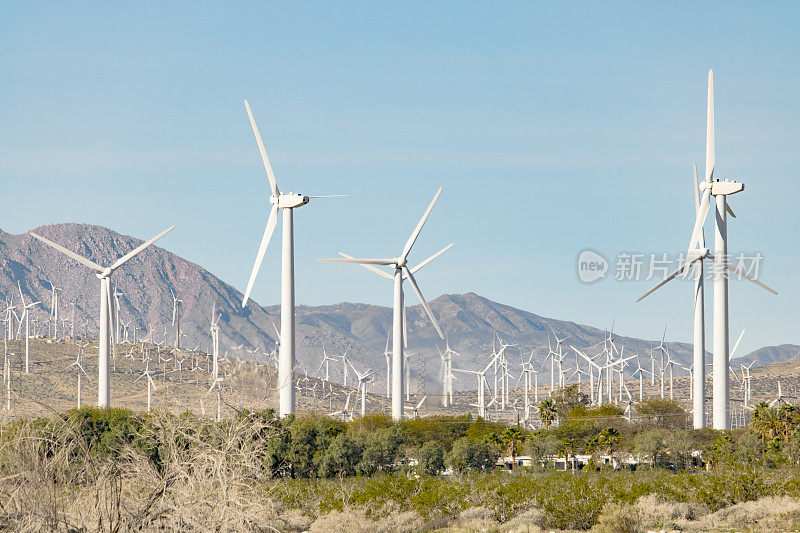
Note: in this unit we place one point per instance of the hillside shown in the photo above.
(469, 320)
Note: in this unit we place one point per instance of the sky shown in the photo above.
(553, 128)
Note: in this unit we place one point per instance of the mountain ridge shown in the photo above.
(470, 321)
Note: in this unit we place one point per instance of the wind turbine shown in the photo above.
(449, 353)
(345, 411)
(326, 361)
(599, 369)
(720, 189)
(216, 383)
(640, 370)
(362, 386)
(414, 408)
(117, 322)
(483, 384)
(176, 317)
(401, 272)
(78, 363)
(288, 202)
(150, 383)
(104, 275)
(26, 311)
(54, 309)
(387, 355)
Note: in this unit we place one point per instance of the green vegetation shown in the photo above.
(92, 469)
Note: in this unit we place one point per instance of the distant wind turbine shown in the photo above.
(401, 272)
(104, 275)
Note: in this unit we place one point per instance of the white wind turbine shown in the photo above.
(387, 355)
(449, 353)
(54, 310)
(528, 370)
(288, 202)
(483, 384)
(104, 275)
(216, 383)
(116, 293)
(345, 411)
(326, 361)
(599, 369)
(720, 189)
(414, 408)
(401, 272)
(176, 317)
(641, 371)
(7, 366)
(363, 379)
(26, 311)
(150, 382)
(78, 364)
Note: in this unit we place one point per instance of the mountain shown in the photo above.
(768, 355)
(470, 321)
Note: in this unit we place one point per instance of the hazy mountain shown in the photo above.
(469, 320)
(769, 354)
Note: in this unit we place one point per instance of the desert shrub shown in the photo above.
(443, 429)
(568, 399)
(662, 413)
(431, 458)
(649, 444)
(481, 428)
(381, 450)
(619, 518)
(468, 454)
(342, 456)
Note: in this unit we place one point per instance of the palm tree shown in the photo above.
(514, 436)
(547, 412)
(608, 438)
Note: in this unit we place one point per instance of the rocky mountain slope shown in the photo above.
(470, 321)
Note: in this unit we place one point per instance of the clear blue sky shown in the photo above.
(553, 127)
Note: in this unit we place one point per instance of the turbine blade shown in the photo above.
(19, 287)
(695, 191)
(730, 355)
(697, 231)
(729, 210)
(136, 251)
(405, 321)
(415, 233)
(69, 253)
(746, 276)
(273, 185)
(330, 196)
(423, 301)
(431, 258)
(262, 249)
(369, 267)
(675, 273)
(384, 262)
(710, 155)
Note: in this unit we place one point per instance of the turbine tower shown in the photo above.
(176, 318)
(401, 272)
(695, 254)
(104, 275)
(288, 202)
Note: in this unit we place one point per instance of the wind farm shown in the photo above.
(591, 321)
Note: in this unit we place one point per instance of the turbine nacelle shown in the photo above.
(289, 200)
(106, 273)
(722, 187)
